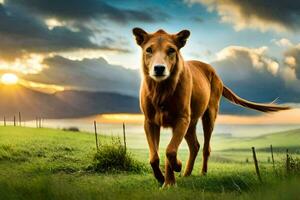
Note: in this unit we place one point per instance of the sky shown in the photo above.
(253, 45)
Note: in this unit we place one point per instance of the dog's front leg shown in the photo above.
(153, 135)
(172, 163)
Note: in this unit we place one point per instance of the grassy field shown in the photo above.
(52, 164)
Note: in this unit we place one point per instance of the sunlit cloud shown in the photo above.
(283, 42)
(84, 53)
(258, 57)
(45, 88)
(26, 64)
(291, 61)
(291, 70)
(112, 56)
(52, 23)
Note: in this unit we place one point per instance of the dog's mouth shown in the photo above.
(158, 77)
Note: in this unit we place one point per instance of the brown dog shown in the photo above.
(176, 93)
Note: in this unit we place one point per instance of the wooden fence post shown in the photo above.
(96, 135)
(20, 121)
(271, 147)
(14, 120)
(124, 136)
(4, 121)
(40, 122)
(287, 162)
(256, 164)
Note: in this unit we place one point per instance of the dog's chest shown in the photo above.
(164, 116)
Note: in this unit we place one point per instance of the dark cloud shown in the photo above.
(21, 32)
(87, 9)
(239, 71)
(88, 74)
(23, 27)
(286, 13)
(266, 14)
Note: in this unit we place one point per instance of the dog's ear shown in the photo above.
(181, 38)
(140, 35)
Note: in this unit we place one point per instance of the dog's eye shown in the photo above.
(149, 50)
(171, 51)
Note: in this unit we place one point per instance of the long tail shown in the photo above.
(231, 96)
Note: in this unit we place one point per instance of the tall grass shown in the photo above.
(113, 157)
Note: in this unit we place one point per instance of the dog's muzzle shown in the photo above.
(159, 70)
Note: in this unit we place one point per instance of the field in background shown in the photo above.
(48, 163)
(111, 125)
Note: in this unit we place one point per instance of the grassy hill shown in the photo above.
(51, 164)
(239, 149)
(285, 139)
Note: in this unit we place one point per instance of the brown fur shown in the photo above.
(191, 91)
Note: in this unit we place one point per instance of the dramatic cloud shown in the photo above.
(87, 10)
(78, 29)
(283, 42)
(25, 64)
(88, 74)
(291, 72)
(253, 75)
(257, 14)
(27, 37)
(22, 33)
(258, 57)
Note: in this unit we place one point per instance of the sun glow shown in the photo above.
(9, 79)
(52, 23)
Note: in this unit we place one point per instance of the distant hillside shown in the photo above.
(31, 103)
(280, 140)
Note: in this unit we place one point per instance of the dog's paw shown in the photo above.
(178, 166)
(169, 185)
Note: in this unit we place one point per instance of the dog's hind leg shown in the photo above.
(192, 141)
(209, 118)
(153, 135)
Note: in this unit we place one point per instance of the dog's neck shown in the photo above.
(159, 92)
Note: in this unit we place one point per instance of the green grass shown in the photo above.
(286, 139)
(115, 158)
(52, 164)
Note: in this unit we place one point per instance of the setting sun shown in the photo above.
(9, 79)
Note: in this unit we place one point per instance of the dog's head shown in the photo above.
(160, 51)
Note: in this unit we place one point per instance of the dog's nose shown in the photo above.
(159, 70)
